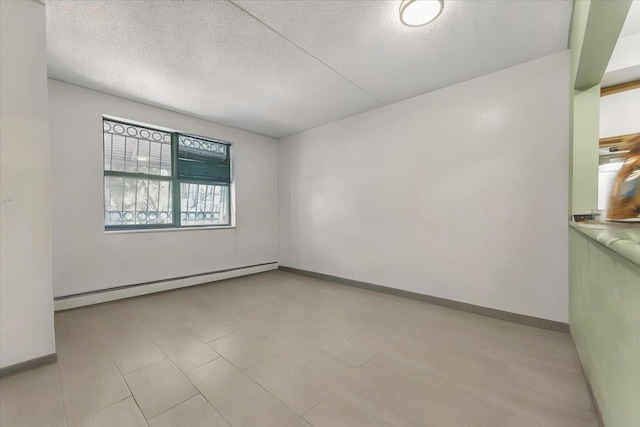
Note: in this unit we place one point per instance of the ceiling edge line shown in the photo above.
(307, 52)
(158, 106)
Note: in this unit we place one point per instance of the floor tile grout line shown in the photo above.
(223, 336)
(548, 395)
(365, 362)
(425, 373)
(49, 403)
(64, 404)
(335, 393)
(300, 368)
(511, 411)
(123, 375)
(211, 403)
(499, 379)
(35, 409)
(410, 396)
(108, 406)
(181, 373)
(346, 339)
(142, 367)
(276, 397)
(418, 385)
(272, 395)
(474, 396)
(176, 405)
(244, 404)
(400, 362)
(244, 371)
(466, 391)
(318, 404)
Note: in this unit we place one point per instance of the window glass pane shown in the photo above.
(129, 148)
(200, 159)
(203, 204)
(130, 201)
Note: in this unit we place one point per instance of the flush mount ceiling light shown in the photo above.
(414, 13)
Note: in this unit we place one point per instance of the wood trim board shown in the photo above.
(616, 141)
(620, 88)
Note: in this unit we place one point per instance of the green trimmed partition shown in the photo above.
(604, 311)
(604, 272)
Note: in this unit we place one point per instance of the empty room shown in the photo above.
(320, 213)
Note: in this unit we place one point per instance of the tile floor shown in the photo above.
(278, 349)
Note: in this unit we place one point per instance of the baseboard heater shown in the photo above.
(121, 292)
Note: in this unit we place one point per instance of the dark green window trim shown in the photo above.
(173, 179)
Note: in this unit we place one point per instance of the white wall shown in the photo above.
(86, 259)
(624, 64)
(620, 113)
(626, 53)
(460, 193)
(26, 302)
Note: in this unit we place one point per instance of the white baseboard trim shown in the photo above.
(106, 295)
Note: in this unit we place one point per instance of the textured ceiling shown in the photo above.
(280, 67)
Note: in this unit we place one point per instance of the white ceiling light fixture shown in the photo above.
(415, 13)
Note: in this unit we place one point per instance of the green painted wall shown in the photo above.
(580, 197)
(604, 287)
(576, 37)
(604, 311)
(584, 149)
(595, 26)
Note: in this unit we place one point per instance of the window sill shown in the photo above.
(165, 230)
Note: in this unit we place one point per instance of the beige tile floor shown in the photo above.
(278, 349)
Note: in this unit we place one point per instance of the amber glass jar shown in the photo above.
(624, 203)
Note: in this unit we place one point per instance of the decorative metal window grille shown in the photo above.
(197, 145)
(149, 174)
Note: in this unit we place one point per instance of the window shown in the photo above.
(151, 174)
